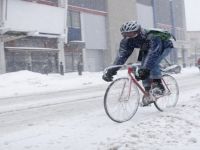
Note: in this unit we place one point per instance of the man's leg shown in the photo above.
(147, 82)
(156, 72)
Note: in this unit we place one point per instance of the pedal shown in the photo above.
(146, 101)
(145, 105)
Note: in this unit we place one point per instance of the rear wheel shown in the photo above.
(170, 98)
(121, 100)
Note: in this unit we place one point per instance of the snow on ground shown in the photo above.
(149, 129)
(26, 82)
(175, 129)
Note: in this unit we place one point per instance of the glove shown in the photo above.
(108, 75)
(142, 74)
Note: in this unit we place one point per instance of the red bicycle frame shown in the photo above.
(130, 73)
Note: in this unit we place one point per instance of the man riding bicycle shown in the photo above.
(153, 48)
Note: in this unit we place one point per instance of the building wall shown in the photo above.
(145, 18)
(162, 12)
(150, 13)
(94, 59)
(35, 17)
(2, 58)
(118, 13)
(2, 12)
(167, 14)
(49, 21)
(100, 23)
(193, 38)
(179, 11)
(2, 53)
(92, 31)
(171, 14)
(94, 35)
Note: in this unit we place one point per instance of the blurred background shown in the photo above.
(50, 35)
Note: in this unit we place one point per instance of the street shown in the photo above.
(63, 119)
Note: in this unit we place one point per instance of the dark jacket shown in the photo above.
(151, 47)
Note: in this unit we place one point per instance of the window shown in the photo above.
(73, 19)
(74, 25)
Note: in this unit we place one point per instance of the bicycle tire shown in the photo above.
(121, 103)
(170, 99)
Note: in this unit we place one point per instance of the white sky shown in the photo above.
(192, 10)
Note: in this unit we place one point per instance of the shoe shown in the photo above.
(157, 87)
(146, 101)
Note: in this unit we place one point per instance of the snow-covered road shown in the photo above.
(75, 120)
(51, 98)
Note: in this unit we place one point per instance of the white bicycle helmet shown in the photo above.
(130, 26)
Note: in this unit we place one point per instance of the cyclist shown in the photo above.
(153, 49)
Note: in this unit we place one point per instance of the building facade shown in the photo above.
(164, 14)
(168, 15)
(193, 37)
(32, 34)
(87, 39)
(118, 13)
(79, 32)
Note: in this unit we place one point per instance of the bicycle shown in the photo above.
(122, 97)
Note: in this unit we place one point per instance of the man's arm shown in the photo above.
(124, 52)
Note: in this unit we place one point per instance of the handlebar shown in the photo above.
(134, 67)
(125, 66)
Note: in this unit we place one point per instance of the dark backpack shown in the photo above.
(163, 34)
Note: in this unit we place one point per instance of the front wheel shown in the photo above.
(121, 100)
(171, 94)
